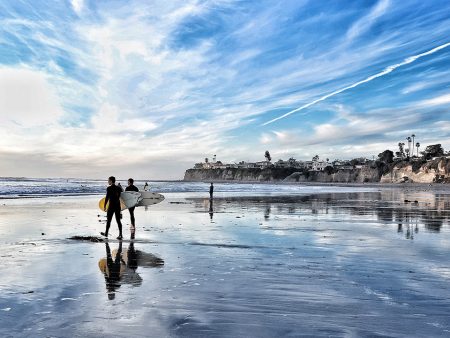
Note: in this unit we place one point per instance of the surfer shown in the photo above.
(113, 197)
(211, 191)
(131, 187)
(146, 186)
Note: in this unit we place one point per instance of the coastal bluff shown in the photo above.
(283, 175)
(436, 170)
(433, 171)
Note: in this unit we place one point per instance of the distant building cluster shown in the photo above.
(406, 152)
(314, 165)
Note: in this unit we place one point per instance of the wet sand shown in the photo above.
(359, 264)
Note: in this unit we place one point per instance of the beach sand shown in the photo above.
(372, 263)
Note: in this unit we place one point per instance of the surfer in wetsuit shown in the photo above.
(211, 191)
(113, 197)
(132, 187)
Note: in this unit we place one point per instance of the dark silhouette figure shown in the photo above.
(113, 197)
(267, 213)
(120, 267)
(211, 191)
(132, 260)
(131, 276)
(112, 271)
(132, 187)
(211, 211)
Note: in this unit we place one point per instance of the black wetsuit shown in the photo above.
(131, 210)
(113, 197)
(211, 191)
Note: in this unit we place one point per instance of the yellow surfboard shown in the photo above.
(101, 204)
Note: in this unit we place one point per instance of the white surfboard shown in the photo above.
(130, 198)
(149, 198)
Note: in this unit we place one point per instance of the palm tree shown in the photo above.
(413, 135)
(400, 148)
(409, 143)
(417, 146)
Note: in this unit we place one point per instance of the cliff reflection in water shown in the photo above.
(120, 267)
(409, 210)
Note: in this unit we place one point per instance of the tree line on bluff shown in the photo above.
(387, 161)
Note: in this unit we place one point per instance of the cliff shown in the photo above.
(418, 171)
(337, 176)
(434, 171)
(234, 174)
(283, 174)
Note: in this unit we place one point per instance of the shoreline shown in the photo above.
(433, 186)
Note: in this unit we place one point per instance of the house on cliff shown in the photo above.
(319, 165)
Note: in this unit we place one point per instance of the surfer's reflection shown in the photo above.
(211, 211)
(132, 263)
(267, 213)
(121, 267)
(112, 268)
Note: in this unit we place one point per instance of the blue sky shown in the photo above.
(147, 88)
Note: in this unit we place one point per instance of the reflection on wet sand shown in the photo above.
(270, 266)
(409, 210)
(121, 267)
(267, 213)
(211, 211)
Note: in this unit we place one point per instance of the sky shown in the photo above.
(146, 89)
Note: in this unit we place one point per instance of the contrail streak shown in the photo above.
(387, 70)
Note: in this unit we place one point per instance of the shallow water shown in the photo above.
(48, 187)
(340, 264)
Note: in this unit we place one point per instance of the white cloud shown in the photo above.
(363, 25)
(27, 98)
(108, 120)
(414, 87)
(436, 101)
(265, 138)
(77, 5)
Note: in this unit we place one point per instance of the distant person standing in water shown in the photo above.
(131, 187)
(145, 186)
(113, 197)
(211, 191)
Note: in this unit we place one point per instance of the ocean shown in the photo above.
(13, 187)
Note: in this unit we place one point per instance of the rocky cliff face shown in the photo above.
(437, 170)
(341, 176)
(233, 174)
(282, 174)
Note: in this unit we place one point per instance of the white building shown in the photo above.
(319, 165)
(263, 164)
